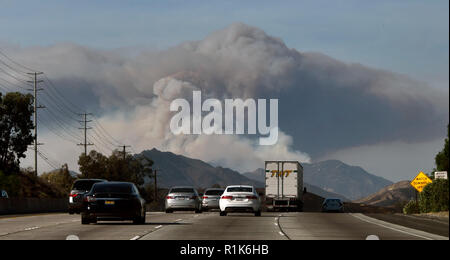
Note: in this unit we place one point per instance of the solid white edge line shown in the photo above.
(160, 226)
(135, 238)
(398, 228)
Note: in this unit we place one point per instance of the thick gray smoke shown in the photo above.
(324, 105)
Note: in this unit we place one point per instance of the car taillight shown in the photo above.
(169, 197)
(89, 199)
(204, 197)
(73, 195)
(227, 197)
(252, 197)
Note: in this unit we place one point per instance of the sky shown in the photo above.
(408, 38)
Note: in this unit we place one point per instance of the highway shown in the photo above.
(210, 226)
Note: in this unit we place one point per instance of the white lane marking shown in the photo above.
(31, 228)
(276, 224)
(281, 233)
(160, 226)
(178, 220)
(135, 238)
(394, 227)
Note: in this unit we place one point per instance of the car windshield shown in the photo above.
(112, 188)
(214, 192)
(84, 184)
(182, 190)
(240, 189)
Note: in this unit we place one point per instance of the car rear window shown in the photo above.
(182, 190)
(84, 184)
(113, 188)
(214, 192)
(240, 189)
(334, 201)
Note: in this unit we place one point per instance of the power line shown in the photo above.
(16, 63)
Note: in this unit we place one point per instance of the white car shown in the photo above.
(240, 198)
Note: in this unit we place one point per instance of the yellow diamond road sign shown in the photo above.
(421, 181)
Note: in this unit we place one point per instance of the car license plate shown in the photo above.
(108, 202)
(180, 198)
(240, 199)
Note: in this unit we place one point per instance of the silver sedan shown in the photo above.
(211, 198)
(183, 198)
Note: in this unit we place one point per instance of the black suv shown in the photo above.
(79, 189)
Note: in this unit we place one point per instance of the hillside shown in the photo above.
(180, 170)
(335, 176)
(258, 175)
(391, 196)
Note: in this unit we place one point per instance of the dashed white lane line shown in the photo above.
(31, 228)
(135, 238)
(281, 233)
(160, 226)
(276, 224)
(178, 220)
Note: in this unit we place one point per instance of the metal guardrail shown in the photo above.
(32, 205)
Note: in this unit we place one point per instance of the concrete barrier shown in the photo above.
(32, 205)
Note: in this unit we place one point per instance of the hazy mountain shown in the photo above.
(335, 176)
(180, 170)
(328, 178)
(258, 175)
(393, 195)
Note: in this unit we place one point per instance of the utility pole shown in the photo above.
(124, 152)
(36, 107)
(85, 128)
(156, 183)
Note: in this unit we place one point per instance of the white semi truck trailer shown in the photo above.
(284, 185)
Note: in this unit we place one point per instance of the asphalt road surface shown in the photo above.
(210, 226)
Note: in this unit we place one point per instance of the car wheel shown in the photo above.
(258, 214)
(137, 220)
(71, 212)
(143, 219)
(85, 220)
(169, 211)
(198, 211)
(223, 213)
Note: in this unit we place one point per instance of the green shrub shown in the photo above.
(411, 208)
(10, 183)
(435, 197)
